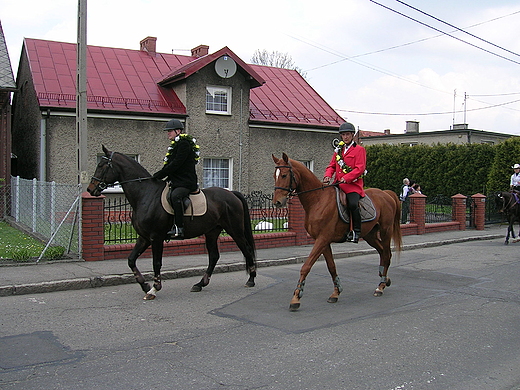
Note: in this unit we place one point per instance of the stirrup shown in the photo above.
(177, 233)
(353, 237)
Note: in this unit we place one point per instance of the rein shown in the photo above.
(102, 185)
(292, 191)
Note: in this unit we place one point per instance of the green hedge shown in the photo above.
(443, 169)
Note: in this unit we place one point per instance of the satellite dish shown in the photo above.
(225, 67)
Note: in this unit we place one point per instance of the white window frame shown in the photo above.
(309, 164)
(217, 169)
(214, 89)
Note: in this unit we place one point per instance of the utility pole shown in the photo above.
(81, 95)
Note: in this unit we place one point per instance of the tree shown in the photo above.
(276, 59)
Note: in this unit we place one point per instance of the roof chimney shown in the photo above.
(200, 51)
(148, 44)
(387, 131)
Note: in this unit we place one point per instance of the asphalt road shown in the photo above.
(450, 320)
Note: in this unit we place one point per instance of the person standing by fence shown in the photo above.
(405, 202)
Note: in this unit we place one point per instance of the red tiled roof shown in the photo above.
(117, 79)
(131, 81)
(287, 98)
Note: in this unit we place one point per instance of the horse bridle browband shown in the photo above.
(292, 191)
(102, 185)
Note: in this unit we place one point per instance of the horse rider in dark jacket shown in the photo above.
(179, 171)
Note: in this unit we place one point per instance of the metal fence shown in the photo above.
(438, 209)
(265, 218)
(48, 210)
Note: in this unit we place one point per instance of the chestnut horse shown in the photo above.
(323, 223)
(225, 210)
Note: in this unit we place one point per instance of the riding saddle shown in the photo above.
(194, 206)
(366, 207)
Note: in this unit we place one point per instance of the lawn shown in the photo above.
(18, 246)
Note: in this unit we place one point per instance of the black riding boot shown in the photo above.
(355, 234)
(177, 230)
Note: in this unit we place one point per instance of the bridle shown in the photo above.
(507, 204)
(101, 183)
(292, 179)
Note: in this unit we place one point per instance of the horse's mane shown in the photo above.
(303, 170)
(137, 167)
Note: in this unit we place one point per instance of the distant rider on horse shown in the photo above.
(179, 171)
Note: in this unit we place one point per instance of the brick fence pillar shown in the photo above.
(479, 211)
(296, 221)
(92, 230)
(418, 211)
(458, 210)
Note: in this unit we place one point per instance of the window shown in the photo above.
(309, 164)
(217, 173)
(218, 100)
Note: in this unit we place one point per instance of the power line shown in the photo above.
(445, 33)
(426, 113)
(345, 58)
(456, 28)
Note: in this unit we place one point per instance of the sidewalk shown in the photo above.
(74, 275)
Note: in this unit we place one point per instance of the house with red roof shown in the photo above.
(239, 113)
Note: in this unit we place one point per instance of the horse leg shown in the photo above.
(384, 249)
(316, 251)
(213, 256)
(508, 234)
(248, 252)
(331, 265)
(157, 252)
(140, 246)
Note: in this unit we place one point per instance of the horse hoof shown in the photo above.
(149, 297)
(294, 306)
(378, 293)
(332, 300)
(196, 288)
(250, 284)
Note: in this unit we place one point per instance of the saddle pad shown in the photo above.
(366, 208)
(196, 208)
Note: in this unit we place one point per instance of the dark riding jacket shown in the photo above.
(179, 166)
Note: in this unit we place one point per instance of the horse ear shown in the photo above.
(285, 158)
(105, 150)
(275, 159)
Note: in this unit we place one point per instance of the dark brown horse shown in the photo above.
(508, 204)
(323, 223)
(225, 210)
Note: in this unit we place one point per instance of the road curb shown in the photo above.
(115, 280)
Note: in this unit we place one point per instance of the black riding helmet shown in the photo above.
(173, 124)
(347, 127)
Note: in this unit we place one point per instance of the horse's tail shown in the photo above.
(397, 236)
(248, 231)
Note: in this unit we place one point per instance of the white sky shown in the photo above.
(330, 40)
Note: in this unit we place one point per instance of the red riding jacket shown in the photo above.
(355, 158)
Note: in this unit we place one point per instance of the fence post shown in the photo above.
(479, 211)
(92, 227)
(418, 211)
(296, 221)
(458, 210)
